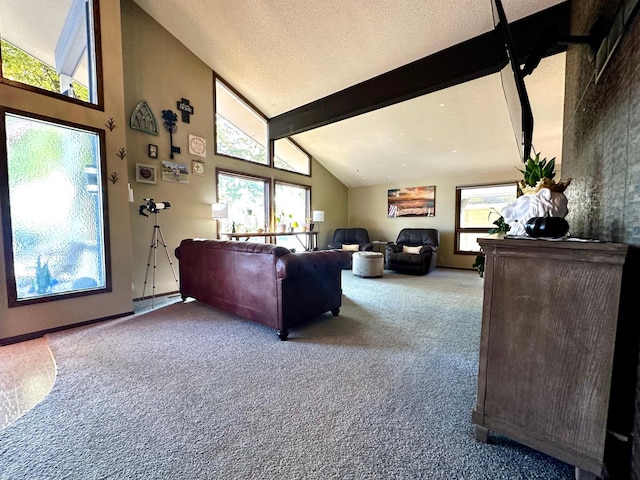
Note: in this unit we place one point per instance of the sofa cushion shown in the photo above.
(351, 247)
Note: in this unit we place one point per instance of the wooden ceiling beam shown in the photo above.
(475, 58)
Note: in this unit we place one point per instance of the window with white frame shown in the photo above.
(240, 131)
(53, 198)
(477, 207)
(50, 46)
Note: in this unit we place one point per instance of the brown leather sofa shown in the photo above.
(261, 282)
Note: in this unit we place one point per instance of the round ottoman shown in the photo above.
(368, 264)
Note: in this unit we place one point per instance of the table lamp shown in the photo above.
(318, 216)
(218, 211)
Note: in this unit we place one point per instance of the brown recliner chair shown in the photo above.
(420, 256)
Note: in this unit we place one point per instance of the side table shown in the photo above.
(381, 246)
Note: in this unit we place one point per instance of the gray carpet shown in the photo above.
(384, 391)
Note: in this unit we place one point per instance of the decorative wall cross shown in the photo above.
(186, 109)
(170, 126)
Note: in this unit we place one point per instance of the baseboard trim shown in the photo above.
(42, 333)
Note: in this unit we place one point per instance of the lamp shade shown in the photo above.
(219, 210)
(318, 215)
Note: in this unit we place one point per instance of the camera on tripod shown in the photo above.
(152, 206)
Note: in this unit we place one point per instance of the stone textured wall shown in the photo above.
(601, 152)
(601, 148)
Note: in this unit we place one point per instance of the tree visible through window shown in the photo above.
(292, 205)
(50, 48)
(247, 199)
(240, 131)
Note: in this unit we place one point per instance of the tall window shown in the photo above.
(289, 156)
(51, 179)
(240, 131)
(247, 197)
(292, 206)
(50, 46)
(477, 208)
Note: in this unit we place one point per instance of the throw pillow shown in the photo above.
(406, 249)
(351, 248)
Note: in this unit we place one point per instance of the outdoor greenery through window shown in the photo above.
(247, 198)
(55, 197)
(50, 45)
(292, 205)
(240, 131)
(477, 208)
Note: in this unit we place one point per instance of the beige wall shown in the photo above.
(368, 209)
(160, 70)
(30, 318)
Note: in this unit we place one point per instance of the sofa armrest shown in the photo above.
(366, 247)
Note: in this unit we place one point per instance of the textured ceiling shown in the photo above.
(281, 54)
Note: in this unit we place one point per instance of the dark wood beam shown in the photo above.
(460, 63)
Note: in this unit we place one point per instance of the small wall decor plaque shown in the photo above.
(146, 173)
(186, 109)
(153, 151)
(142, 119)
(197, 146)
(197, 167)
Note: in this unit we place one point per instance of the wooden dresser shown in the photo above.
(547, 345)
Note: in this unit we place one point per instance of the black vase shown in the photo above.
(547, 227)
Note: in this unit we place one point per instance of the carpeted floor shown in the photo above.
(383, 391)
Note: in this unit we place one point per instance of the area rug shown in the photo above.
(383, 391)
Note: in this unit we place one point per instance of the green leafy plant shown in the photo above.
(479, 264)
(536, 169)
(500, 227)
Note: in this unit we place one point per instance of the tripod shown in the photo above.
(157, 238)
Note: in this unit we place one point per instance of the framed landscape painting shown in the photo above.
(412, 202)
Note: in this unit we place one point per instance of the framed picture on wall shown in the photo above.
(412, 202)
(175, 172)
(146, 173)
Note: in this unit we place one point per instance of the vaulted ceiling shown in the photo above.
(283, 54)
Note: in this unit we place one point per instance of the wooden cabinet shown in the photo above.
(547, 344)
